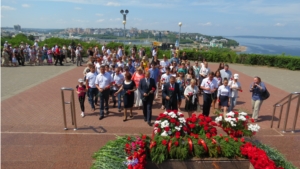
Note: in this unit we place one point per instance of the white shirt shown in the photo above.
(108, 52)
(120, 54)
(103, 48)
(224, 91)
(218, 79)
(194, 92)
(103, 80)
(97, 66)
(204, 71)
(91, 77)
(164, 64)
(154, 52)
(77, 52)
(234, 92)
(165, 78)
(211, 84)
(120, 64)
(118, 79)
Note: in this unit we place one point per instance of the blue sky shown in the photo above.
(211, 17)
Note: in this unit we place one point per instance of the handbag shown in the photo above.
(265, 94)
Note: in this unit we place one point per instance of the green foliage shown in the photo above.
(159, 153)
(276, 156)
(31, 37)
(111, 155)
(181, 151)
(16, 41)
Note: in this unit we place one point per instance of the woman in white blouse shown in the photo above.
(204, 71)
(223, 96)
(235, 86)
(191, 93)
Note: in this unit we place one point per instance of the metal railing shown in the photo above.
(72, 107)
(287, 101)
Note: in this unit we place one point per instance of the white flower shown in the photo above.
(218, 119)
(173, 116)
(232, 123)
(228, 119)
(165, 113)
(157, 122)
(179, 113)
(164, 124)
(164, 133)
(170, 114)
(177, 128)
(230, 114)
(155, 131)
(181, 119)
(243, 118)
(253, 128)
(243, 114)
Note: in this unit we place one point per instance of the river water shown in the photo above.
(269, 45)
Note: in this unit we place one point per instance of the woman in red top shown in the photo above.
(136, 77)
(81, 89)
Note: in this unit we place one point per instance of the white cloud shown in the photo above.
(115, 19)
(137, 19)
(7, 8)
(77, 8)
(100, 20)
(112, 4)
(279, 24)
(25, 5)
(79, 20)
(205, 24)
(99, 14)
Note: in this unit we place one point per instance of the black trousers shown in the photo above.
(81, 102)
(21, 60)
(171, 104)
(207, 99)
(147, 109)
(60, 60)
(104, 97)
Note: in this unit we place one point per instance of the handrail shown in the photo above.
(290, 98)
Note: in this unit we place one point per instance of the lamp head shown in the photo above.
(126, 11)
(124, 22)
(122, 11)
(179, 23)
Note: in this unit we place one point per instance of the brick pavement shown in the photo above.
(33, 135)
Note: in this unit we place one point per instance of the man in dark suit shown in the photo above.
(171, 94)
(146, 88)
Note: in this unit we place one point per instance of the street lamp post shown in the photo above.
(124, 13)
(179, 24)
(124, 23)
(171, 51)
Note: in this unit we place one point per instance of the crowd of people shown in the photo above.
(40, 55)
(134, 81)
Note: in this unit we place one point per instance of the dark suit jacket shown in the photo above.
(143, 88)
(174, 94)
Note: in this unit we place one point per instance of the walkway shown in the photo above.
(32, 125)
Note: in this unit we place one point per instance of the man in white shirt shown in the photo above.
(164, 64)
(78, 57)
(120, 53)
(154, 52)
(103, 82)
(103, 48)
(92, 90)
(117, 82)
(226, 73)
(165, 78)
(209, 85)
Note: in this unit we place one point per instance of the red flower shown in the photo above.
(226, 139)
(242, 140)
(192, 126)
(205, 128)
(177, 123)
(144, 137)
(221, 135)
(128, 92)
(167, 129)
(181, 115)
(252, 120)
(171, 88)
(173, 121)
(241, 90)
(153, 89)
(176, 143)
(208, 135)
(128, 138)
(190, 93)
(177, 134)
(158, 130)
(193, 119)
(235, 139)
(113, 82)
(156, 125)
(164, 142)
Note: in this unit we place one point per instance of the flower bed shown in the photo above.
(175, 137)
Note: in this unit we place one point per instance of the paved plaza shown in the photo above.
(32, 134)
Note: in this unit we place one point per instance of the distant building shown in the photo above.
(17, 27)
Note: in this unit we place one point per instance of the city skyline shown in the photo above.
(210, 17)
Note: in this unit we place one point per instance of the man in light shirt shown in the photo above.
(164, 64)
(165, 78)
(120, 53)
(226, 73)
(103, 82)
(92, 90)
(117, 82)
(209, 85)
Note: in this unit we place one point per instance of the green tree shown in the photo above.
(31, 37)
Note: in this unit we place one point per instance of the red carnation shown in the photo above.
(153, 89)
(252, 120)
(128, 138)
(158, 130)
(164, 142)
(177, 123)
(208, 135)
(205, 128)
(173, 121)
(177, 134)
(176, 143)
(192, 126)
(156, 125)
(242, 140)
(181, 115)
(235, 139)
(144, 137)
(167, 129)
(226, 139)
(193, 119)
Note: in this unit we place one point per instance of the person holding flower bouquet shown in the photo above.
(223, 96)
(128, 98)
(147, 88)
(171, 94)
(235, 87)
(191, 93)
